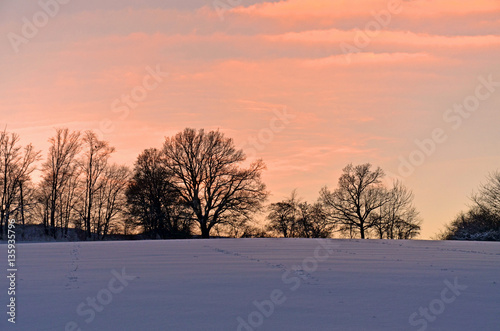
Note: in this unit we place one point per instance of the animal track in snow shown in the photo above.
(72, 276)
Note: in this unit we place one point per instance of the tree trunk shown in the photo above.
(53, 221)
(7, 215)
(21, 202)
(21, 198)
(205, 232)
(89, 233)
(1, 221)
(52, 216)
(89, 196)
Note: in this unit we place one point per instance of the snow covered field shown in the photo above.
(255, 284)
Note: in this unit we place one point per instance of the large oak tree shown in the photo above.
(208, 176)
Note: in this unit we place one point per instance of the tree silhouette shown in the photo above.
(16, 166)
(153, 201)
(359, 194)
(207, 175)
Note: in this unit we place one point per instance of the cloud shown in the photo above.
(400, 38)
(343, 8)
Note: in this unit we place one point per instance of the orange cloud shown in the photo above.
(343, 8)
(400, 38)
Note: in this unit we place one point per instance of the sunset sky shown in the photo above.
(307, 85)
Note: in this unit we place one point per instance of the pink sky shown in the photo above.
(237, 68)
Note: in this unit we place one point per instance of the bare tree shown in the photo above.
(16, 166)
(295, 218)
(95, 161)
(482, 220)
(488, 195)
(206, 174)
(283, 217)
(42, 205)
(312, 221)
(359, 194)
(26, 203)
(58, 170)
(397, 218)
(70, 197)
(110, 201)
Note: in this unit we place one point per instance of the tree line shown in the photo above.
(78, 187)
(360, 207)
(193, 184)
(199, 183)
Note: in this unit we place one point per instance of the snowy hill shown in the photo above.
(256, 284)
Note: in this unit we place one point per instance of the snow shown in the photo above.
(300, 284)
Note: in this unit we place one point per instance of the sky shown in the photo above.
(309, 86)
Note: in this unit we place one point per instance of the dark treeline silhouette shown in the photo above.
(196, 184)
(361, 206)
(16, 190)
(293, 218)
(482, 220)
(79, 188)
